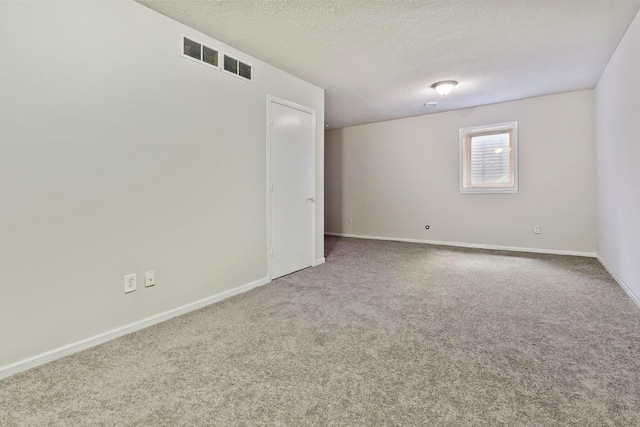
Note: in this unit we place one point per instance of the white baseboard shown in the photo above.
(621, 282)
(468, 245)
(319, 261)
(31, 362)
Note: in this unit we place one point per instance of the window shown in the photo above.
(244, 70)
(237, 68)
(199, 52)
(191, 48)
(489, 159)
(231, 64)
(210, 56)
(203, 54)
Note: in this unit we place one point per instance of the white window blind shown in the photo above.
(490, 162)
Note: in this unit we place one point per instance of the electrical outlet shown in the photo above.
(149, 279)
(129, 283)
(350, 220)
(536, 229)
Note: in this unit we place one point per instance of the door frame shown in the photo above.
(284, 102)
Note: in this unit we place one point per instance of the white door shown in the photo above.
(292, 187)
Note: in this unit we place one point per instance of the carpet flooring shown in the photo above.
(383, 334)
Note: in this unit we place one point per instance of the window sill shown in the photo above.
(510, 190)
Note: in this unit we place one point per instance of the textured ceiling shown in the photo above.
(377, 59)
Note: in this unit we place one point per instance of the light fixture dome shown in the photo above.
(443, 88)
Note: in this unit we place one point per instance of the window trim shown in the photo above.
(465, 157)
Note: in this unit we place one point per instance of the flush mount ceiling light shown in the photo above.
(443, 88)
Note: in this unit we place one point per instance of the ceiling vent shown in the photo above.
(199, 52)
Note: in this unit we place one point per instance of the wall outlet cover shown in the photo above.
(129, 283)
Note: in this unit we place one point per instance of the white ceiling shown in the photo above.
(377, 59)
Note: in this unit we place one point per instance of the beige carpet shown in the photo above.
(383, 334)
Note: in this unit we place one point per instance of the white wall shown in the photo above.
(392, 178)
(618, 154)
(119, 156)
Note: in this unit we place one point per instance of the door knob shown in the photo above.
(311, 198)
